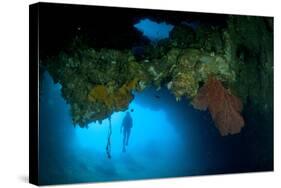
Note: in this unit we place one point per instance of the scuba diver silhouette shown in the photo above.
(127, 125)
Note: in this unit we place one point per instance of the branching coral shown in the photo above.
(224, 107)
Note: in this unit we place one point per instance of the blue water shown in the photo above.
(153, 30)
(70, 154)
(168, 139)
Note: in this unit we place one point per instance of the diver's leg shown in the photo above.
(128, 136)
(124, 140)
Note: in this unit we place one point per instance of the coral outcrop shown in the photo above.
(97, 82)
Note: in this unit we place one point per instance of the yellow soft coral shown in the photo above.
(118, 99)
(123, 96)
(132, 84)
(100, 94)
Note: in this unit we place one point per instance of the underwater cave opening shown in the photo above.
(152, 126)
(168, 138)
(153, 30)
(158, 145)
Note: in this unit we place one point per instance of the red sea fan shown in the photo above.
(224, 107)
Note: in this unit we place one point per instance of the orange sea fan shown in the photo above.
(224, 107)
